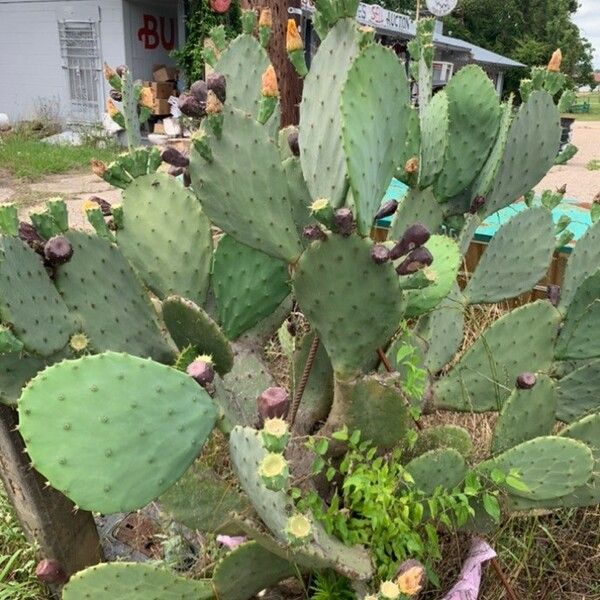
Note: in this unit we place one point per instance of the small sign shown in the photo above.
(441, 8)
(381, 18)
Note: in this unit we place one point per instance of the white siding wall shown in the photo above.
(30, 62)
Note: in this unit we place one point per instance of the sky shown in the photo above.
(588, 20)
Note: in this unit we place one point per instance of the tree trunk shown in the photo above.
(48, 518)
(290, 85)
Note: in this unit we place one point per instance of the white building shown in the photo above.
(52, 51)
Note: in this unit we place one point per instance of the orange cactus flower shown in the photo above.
(269, 83)
(293, 41)
(266, 18)
(111, 109)
(555, 61)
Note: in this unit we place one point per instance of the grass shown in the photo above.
(23, 155)
(594, 115)
(17, 559)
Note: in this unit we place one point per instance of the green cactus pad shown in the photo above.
(190, 325)
(238, 391)
(443, 330)
(525, 415)
(443, 272)
(108, 301)
(578, 338)
(531, 147)
(332, 279)
(203, 501)
(15, 371)
(29, 303)
(321, 146)
(133, 581)
(549, 467)
(444, 436)
(8, 342)
(579, 392)
(243, 189)
(518, 342)
(298, 194)
(583, 262)
(516, 259)
(485, 180)
(318, 393)
(473, 120)
(411, 147)
(374, 405)
(114, 431)
(444, 467)
(248, 284)
(376, 85)
(249, 569)
(418, 206)
(434, 128)
(166, 237)
(274, 508)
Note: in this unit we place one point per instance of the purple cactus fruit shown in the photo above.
(387, 210)
(28, 234)
(201, 371)
(199, 90)
(174, 157)
(50, 572)
(116, 95)
(525, 381)
(414, 237)
(380, 254)
(477, 203)
(343, 221)
(190, 106)
(314, 233)
(58, 250)
(294, 143)
(273, 403)
(218, 84)
(105, 205)
(553, 293)
(418, 259)
(175, 171)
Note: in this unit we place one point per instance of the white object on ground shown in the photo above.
(109, 125)
(172, 127)
(70, 138)
(4, 122)
(175, 112)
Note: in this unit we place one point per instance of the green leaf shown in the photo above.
(497, 476)
(355, 437)
(318, 465)
(321, 446)
(492, 507)
(341, 435)
(330, 474)
(595, 212)
(516, 484)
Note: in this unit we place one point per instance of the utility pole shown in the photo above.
(290, 85)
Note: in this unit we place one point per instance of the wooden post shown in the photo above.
(48, 518)
(290, 85)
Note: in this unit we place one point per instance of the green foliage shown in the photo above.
(199, 21)
(328, 585)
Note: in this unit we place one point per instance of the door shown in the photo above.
(80, 51)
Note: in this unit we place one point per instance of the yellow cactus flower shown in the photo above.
(269, 83)
(293, 40)
(79, 341)
(266, 18)
(88, 205)
(555, 61)
(388, 589)
(147, 97)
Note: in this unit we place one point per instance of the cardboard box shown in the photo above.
(162, 90)
(162, 73)
(159, 127)
(162, 107)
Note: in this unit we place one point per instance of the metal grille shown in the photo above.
(80, 51)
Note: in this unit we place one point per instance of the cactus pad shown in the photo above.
(29, 303)
(443, 272)
(444, 436)
(528, 413)
(298, 194)
(443, 467)
(473, 120)
(243, 189)
(247, 570)
(321, 146)
(113, 431)
(518, 342)
(531, 147)
(108, 301)
(434, 128)
(190, 325)
(274, 508)
(417, 206)
(133, 581)
(332, 279)
(579, 392)
(516, 259)
(376, 85)
(202, 501)
(15, 371)
(248, 284)
(549, 466)
(166, 237)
